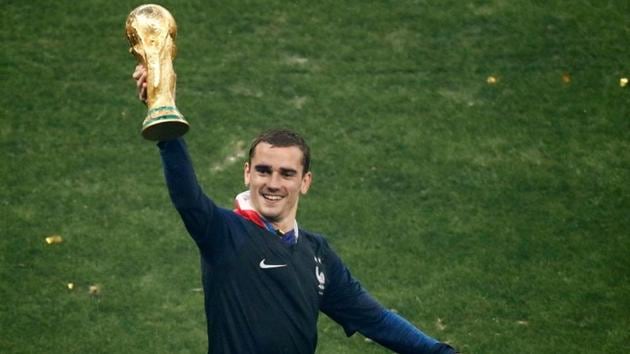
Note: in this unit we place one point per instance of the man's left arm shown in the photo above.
(396, 333)
(350, 305)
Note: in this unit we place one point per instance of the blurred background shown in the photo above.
(471, 165)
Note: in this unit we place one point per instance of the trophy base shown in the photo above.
(165, 130)
(166, 126)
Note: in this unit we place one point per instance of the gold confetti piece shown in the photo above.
(70, 286)
(623, 82)
(522, 323)
(54, 239)
(491, 80)
(566, 78)
(440, 325)
(95, 289)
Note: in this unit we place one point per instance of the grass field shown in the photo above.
(491, 215)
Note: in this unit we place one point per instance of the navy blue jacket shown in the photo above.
(264, 296)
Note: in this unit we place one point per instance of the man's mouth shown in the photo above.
(272, 197)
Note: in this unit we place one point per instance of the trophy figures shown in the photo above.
(151, 31)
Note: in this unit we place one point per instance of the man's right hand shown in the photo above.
(140, 75)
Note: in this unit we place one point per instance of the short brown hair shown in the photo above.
(283, 138)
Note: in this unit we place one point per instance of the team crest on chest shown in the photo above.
(321, 277)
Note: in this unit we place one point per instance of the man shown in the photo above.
(264, 278)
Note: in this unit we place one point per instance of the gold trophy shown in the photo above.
(151, 31)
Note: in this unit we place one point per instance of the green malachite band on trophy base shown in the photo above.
(158, 118)
(163, 108)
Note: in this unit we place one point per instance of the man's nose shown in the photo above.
(274, 181)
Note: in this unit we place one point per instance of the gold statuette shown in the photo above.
(151, 31)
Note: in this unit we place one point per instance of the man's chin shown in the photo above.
(271, 217)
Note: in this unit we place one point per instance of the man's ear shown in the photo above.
(306, 182)
(246, 173)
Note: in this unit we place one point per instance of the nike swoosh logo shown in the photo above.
(264, 265)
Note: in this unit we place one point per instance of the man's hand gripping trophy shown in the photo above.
(151, 31)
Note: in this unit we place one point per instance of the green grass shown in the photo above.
(492, 216)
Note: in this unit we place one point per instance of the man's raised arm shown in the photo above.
(195, 208)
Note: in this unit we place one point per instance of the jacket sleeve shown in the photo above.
(398, 334)
(350, 305)
(205, 222)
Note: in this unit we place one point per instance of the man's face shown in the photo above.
(275, 178)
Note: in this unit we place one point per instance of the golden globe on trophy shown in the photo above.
(151, 31)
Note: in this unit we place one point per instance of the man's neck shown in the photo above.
(285, 225)
(243, 205)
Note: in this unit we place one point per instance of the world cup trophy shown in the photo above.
(151, 31)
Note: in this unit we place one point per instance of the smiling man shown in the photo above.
(265, 279)
(276, 176)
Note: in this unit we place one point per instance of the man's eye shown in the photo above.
(263, 170)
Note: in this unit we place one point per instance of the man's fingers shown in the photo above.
(136, 74)
(141, 80)
(139, 71)
(140, 75)
(142, 92)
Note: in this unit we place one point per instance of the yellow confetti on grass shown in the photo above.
(566, 78)
(53, 239)
(95, 289)
(491, 80)
(440, 325)
(623, 82)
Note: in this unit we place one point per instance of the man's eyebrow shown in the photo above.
(268, 168)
